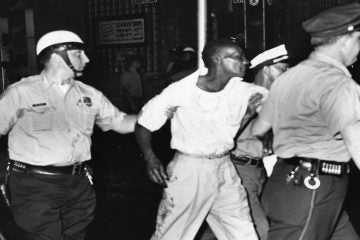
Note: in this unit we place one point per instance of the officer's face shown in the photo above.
(277, 69)
(233, 61)
(351, 48)
(271, 73)
(78, 59)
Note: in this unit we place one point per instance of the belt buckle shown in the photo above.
(76, 168)
(241, 160)
(215, 156)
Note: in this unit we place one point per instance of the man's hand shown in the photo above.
(155, 170)
(170, 112)
(255, 101)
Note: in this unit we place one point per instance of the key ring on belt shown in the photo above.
(312, 181)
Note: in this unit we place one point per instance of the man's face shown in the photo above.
(233, 61)
(78, 59)
(351, 48)
(137, 65)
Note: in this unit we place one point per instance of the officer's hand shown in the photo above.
(155, 170)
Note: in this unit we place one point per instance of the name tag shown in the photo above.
(39, 104)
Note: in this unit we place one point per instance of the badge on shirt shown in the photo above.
(87, 101)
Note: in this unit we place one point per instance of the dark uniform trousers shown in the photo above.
(253, 179)
(56, 207)
(298, 213)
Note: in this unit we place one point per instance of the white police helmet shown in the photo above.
(56, 39)
(59, 42)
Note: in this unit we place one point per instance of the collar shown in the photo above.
(325, 58)
(230, 84)
(47, 83)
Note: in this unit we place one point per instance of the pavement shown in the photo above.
(127, 200)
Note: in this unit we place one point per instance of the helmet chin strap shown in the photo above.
(65, 56)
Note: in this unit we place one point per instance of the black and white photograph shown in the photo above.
(179, 120)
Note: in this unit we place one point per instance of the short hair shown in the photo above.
(321, 41)
(45, 58)
(212, 48)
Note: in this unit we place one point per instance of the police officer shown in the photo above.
(50, 119)
(249, 152)
(314, 112)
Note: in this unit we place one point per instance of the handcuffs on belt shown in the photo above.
(311, 181)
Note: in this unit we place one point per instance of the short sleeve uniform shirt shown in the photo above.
(46, 128)
(309, 105)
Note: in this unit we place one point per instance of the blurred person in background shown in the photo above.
(188, 64)
(131, 84)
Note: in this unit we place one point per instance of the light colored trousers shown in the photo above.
(199, 189)
(253, 179)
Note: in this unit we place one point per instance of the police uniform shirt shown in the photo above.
(204, 122)
(247, 145)
(46, 128)
(309, 105)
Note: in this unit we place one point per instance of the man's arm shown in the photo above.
(126, 124)
(155, 169)
(351, 136)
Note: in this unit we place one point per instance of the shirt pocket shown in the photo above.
(40, 119)
(88, 118)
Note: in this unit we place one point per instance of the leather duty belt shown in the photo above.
(324, 167)
(247, 161)
(20, 167)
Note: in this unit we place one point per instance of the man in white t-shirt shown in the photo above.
(201, 182)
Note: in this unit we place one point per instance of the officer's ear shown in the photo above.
(266, 70)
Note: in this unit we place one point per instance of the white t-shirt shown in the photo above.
(204, 122)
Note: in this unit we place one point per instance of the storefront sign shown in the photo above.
(122, 31)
